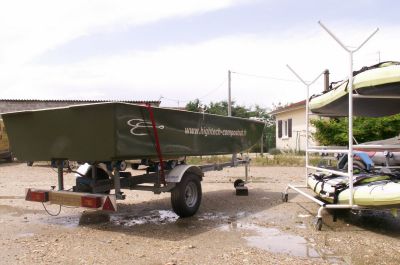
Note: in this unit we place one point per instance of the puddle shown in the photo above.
(158, 217)
(212, 216)
(28, 234)
(274, 240)
(65, 221)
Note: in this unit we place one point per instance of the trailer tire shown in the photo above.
(186, 196)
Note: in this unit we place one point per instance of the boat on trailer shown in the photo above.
(122, 131)
(107, 137)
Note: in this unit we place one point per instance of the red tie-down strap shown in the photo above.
(158, 147)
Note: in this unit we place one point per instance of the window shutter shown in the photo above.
(289, 127)
(279, 128)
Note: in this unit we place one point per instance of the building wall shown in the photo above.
(298, 140)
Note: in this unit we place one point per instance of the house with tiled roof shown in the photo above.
(291, 127)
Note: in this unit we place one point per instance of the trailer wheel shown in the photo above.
(186, 196)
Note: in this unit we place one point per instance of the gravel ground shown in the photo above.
(228, 229)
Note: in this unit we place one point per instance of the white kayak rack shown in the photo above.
(324, 149)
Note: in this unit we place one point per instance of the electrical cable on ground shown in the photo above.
(49, 213)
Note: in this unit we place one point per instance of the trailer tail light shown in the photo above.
(74, 199)
(90, 201)
(37, 195)
(108, 205)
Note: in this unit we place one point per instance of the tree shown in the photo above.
(335, 131)
(194, 105)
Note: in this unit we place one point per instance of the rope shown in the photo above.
(158, 147)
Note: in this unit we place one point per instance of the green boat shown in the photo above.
(122, 131)
(382, 80)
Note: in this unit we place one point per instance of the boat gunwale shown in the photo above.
(130, 104)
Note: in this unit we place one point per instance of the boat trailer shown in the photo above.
(94, 182)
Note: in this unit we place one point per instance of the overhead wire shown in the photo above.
(266, 77)
(210, 92)
(202, 97)
(214, 90)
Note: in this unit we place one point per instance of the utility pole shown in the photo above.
(229, 94)
(262, 144)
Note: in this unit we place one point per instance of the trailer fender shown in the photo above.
(176, 174)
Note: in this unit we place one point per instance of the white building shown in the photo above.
(291, 127)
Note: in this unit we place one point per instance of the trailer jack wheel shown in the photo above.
(186, 196)
(318, 224)
(285, 197)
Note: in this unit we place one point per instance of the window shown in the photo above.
(285, 128)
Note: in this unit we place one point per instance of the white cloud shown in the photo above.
(190, 71)
(28, 28)
(182, 71)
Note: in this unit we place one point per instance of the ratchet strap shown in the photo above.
(157, 141)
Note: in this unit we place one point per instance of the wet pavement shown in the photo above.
(228, 229)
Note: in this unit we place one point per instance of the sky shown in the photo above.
(179, 50)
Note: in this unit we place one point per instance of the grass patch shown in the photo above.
(286, 160)
(201, 160)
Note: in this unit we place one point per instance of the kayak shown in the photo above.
(369, 190)
(378, 80)
(122, 131)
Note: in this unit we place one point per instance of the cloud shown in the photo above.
(181, 71)
(28, 28)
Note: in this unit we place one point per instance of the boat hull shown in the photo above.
(120, 131)
(383, 82)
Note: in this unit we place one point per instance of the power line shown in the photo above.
(214, 90)
(202, 97)
(266, 77)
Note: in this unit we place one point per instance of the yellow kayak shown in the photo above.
(379, 80)
(372, 191)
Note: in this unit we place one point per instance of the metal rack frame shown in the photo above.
(349, 150)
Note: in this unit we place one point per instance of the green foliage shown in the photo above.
(334, 131)
(257, 112)
(194, 105)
